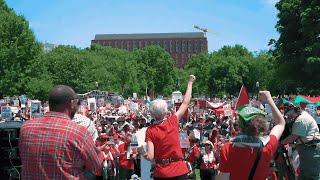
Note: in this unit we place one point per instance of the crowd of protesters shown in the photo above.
(114, 131)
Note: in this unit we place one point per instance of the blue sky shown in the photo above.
(75, 22)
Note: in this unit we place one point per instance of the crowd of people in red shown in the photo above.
(73, 142)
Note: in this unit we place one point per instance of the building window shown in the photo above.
(128, 45)
(182, 46)
(115, 44)
(140, 44)
(135, 44)
(177, 46)
(188, 46)
(165, 45)
(201, 46)
(195, 46)
(121, 45)
(170, 46)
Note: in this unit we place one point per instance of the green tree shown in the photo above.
(18, 49)
(200, 66)
(298, 48)
(156, 70)
(229, 69)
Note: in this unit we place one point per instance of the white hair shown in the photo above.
(158, 109)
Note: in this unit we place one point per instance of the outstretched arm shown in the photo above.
(186, 99)
(278, 129)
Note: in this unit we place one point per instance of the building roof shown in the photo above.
(149, 36)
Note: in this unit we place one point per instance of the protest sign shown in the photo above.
(123, 110)
(134, 95)
(133, 146)
(6, 112)
(176, 96)
(23, 99)
(92, 104)
(16, 103)
(184, 140)
(100, 102)
(35, 108)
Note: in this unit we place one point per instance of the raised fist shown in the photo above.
(192, 78)
(265, 96)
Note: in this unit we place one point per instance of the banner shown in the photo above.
(6, 113)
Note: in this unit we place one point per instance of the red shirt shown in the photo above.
(54, 147)
(238, 160)
(165, 137)
(123, 161)
(194, 154)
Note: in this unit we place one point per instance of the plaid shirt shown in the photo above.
(54, 147)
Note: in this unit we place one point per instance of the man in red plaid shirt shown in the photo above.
(54, 147)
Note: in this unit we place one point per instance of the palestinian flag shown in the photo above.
(298, 100)
(280, 103)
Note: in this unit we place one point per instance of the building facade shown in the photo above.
(181, 46)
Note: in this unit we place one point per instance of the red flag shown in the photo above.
(243, 97)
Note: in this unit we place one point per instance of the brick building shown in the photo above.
(181, 46)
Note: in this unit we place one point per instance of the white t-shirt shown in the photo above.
(306, 127)
(87, 123)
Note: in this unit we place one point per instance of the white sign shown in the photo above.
(176, 96)
(123, 110)
(134, 95)
(92, 104)
(16, 103)
(145, 167)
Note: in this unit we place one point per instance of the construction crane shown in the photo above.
(204, 30)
